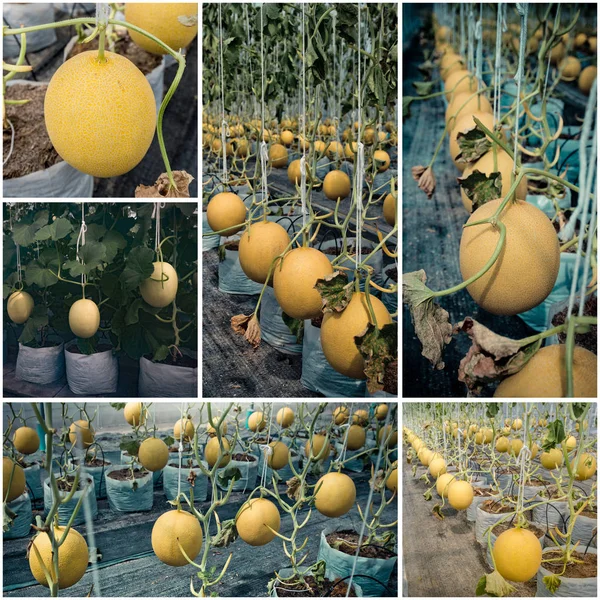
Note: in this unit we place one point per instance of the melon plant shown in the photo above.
(512, 162)
(113, 291)
(271, 166)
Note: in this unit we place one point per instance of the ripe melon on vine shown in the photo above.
(336, 185)
(466, 103)
(294, 280)
(339, 329)
(255, 520)
(256, 421)
(162, 20)
(81, 433)
(389, 209)
(545, 375)
(18, 481)
(259, 246)
(382, 160)
(100, 114)
(285, 416)
(186, 428)
(19, 307)
(160, 289)
(72, 558)
(357, 437)
(320, 451)
(134, 413)
(279, 456)
(340, 415)
(517, 554)
(84, 318)
(527, 267)
(171, 529)
(459, 82)
(335, 494)
(460, 495)
(153, 454)
(26, 440)
(226, 212)
(570, 67)
(450, 63)
(586, 79)
(287, 138)
(213, 449)
(278, 156)
(335, 150)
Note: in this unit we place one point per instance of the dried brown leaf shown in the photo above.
(431, 321)
(248, 326)
(162, 188)
(491, 356)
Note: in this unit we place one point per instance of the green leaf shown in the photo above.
(296, 326)
(38, 318)
(24, 231)
(113, 242)
(137, 268)
(423, 87)
(93, 254)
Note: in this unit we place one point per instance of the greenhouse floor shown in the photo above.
(446, 551)
(231, 367)
(129, 568)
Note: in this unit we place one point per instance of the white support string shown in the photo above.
(224, 127)
(587, 174)
(182, 424)
(500, 28)
(264, 155)
(81, 240)
(471, 34)
(479, 38)
(156, 215)
(462, 29)
(303, 144)
(523, 10)
(360, 160)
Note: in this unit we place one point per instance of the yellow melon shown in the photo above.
(259, 247)
(339, 329)
(294, 282)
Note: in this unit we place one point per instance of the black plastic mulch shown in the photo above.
(129, 567)
(231, 368)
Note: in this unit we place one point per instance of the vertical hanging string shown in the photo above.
(249, 55)
(523, 10)
(479, 53)
(81, 238)
(334, 70)
(264, 155)
(500, 28)
(585, 185)
(224, 128)
(462, 29)
(156, 216)
(182, 424)
(303, 144)
(359, 159)
(470, 49)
